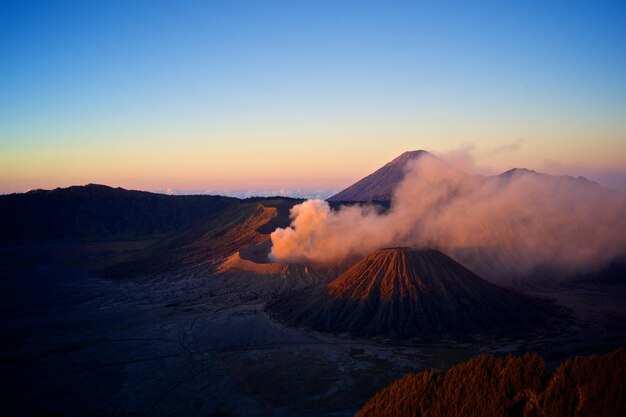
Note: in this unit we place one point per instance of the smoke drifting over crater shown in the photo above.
(517, 222)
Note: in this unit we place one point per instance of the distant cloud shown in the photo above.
(320, 193)
(609, 177)
(461, 157)
(464, 158)
(510, 147)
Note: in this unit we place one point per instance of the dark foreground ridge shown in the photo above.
(406, 292)
(513, 386)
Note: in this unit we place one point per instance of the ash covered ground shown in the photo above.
(197, 342)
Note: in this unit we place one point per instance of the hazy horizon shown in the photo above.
(462, 158)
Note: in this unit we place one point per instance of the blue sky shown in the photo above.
(303, 94)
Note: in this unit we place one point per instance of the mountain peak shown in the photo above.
(407, 156)
(389, 273)
(519, 171)
(525, 172)
(76, 188)
(407, 292)
(379, 185)
(93, 186)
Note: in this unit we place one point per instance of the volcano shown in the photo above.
(379, 185)
(407, 292)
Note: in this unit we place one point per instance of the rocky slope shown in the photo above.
(405, 292)
(208, 243)
(379, 185)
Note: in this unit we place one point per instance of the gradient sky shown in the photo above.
(270, 95)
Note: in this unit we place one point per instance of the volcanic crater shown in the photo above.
(408, 292)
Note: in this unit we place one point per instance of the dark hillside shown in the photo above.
(98, 212)
(210, 241)
(511, 386)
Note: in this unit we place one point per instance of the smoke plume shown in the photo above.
(512, 224)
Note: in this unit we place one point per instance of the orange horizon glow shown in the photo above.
(318, 168)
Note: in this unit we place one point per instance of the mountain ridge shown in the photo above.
(408, 292)
(99, 212)
(379, 185)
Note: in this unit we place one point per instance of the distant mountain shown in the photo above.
(98, 212)
(379, 186)
(405, 292)
(517, 173)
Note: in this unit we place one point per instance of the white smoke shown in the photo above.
(513, 223)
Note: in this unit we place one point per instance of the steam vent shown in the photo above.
(407, 292)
